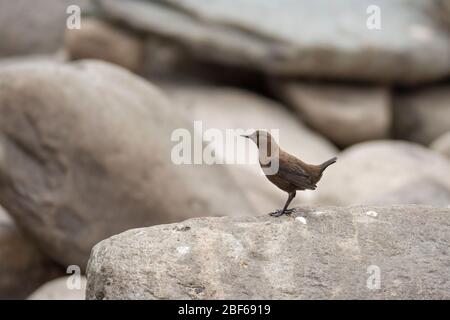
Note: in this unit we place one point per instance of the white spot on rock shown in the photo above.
(372, 213)
(183, 249)
(318, 213)
(301, 219)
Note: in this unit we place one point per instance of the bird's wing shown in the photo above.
(295, 174)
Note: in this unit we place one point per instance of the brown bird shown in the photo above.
(284, 170)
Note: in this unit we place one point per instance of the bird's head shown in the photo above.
(261, 138)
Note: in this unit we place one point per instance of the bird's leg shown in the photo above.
(285, 209)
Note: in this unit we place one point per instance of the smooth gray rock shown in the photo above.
(85, 152)
(345, 114)
(378, 169)
(34, 27)
(322, 253)
(423, 191)
(23, 267)
(422, 115)
(322, 38)
(58, 289)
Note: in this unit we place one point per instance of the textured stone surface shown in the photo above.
(321, 38)
(385, 170)
(58, 289)
(324, 252)
(422, 115)
(85, 152)
(23, 267)
(343, 113)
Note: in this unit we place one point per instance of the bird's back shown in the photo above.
(294, 174)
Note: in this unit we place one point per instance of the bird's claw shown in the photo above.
(280, 212)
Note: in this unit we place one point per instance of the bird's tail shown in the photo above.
(327, 163)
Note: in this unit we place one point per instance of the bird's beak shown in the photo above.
(243, 135)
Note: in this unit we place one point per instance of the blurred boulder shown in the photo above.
(225, 108)
(86, 152)
(166, 61)
(441, 11)
(32, 59)
(345, 114)
(326, 39)
(34, 27)
(58, 289)
(422, 115)
(442, 144)
(103, 41)
(333, 254)
(23, 267)
(422, 191)
(385, 171)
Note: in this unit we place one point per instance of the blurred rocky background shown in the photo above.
(86, 117)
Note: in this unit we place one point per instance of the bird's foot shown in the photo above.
(280, 212)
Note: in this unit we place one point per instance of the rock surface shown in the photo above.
(422, 115)
(100, 40)
(58, 289)
(345, 114)
(85, 152)
(36, 28)
(307, 38)
(442, 144)
(23, 267)
(326, 253)
(388, 170)
(225, 108)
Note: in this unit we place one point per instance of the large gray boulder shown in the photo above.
(386, 172)
(34, 27)
(322, 38)
(226, 108)
(23, 267)
(85, 152)
(345, 114)
(422, 115)
(362, 252)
